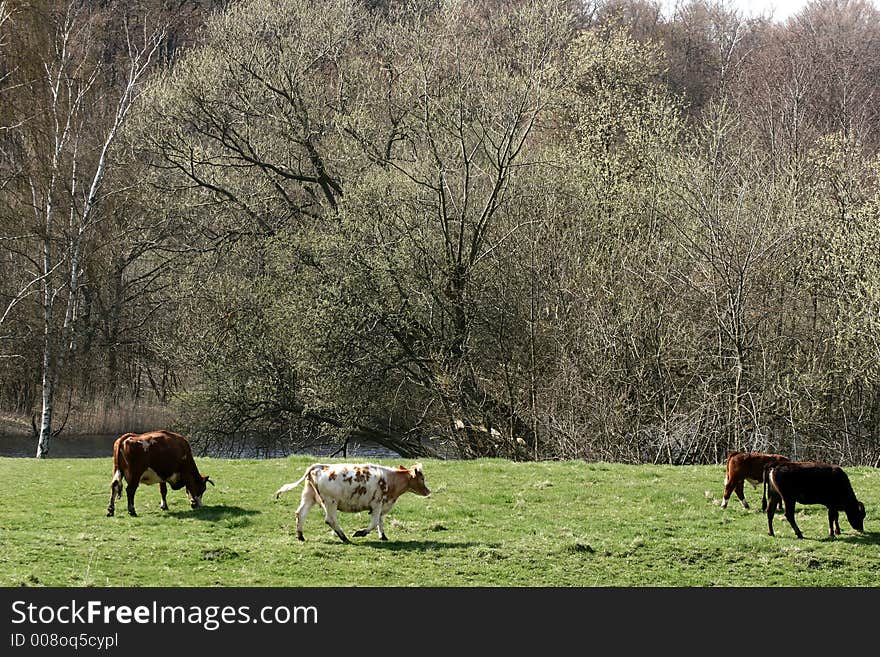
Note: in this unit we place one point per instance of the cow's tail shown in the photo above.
(287, 487)
(765, 481)
(119, 461)
(730, 454)
(118, 455)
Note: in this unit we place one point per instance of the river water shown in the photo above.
(92, 446)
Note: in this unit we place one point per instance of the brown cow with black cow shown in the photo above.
(810, 482)
(156, 457)
(743, 466)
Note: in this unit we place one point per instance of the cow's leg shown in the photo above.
(832, 522)
(306, 502)
(115, 492)
(130, 490)
(728, 489)
(382, 527)
(740, 493)
(163, 491)
(134, 479)
(375, 519)
(330, 519)
(789, 515)
(772, 501)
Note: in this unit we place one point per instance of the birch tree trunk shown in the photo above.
(75, 80)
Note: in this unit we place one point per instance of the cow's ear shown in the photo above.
(207, 480)
(417, 467)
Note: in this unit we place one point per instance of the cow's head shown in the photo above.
(196, 489)
(417, 481)
(856, 516)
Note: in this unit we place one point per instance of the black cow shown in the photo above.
(811, 483)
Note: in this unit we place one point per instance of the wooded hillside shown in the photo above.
(533, 230)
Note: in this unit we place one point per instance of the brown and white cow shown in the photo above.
(743, 466)
(354, 487)
(156, 457)
(810, 482)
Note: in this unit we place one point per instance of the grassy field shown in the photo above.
(487, 523)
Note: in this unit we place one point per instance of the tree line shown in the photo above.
(517, 229)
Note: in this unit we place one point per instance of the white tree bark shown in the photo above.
(72, 88)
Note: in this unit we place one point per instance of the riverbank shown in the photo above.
(79, 446)
(93, 418)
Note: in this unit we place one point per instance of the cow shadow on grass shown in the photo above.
(867, 538)
(214, 513)
(416, 546)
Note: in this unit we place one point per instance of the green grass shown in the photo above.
(487, 523)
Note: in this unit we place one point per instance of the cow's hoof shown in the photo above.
(132, 514)
(299, 537)
(361, 532)
(383, 537)
(109, 513)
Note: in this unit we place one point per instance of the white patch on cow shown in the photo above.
(117, 477)
(150, 477)
(351, 487)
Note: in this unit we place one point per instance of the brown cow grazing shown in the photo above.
(811, 483)
(355, 487)
(742, 466)
(156, 457)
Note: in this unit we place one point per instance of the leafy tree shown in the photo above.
(66, 114)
